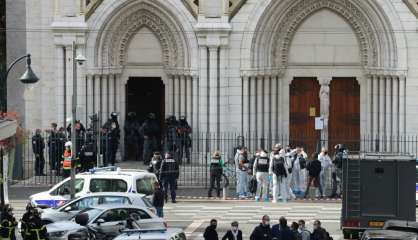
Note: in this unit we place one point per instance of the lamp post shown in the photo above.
(80, 59)
(28, 77)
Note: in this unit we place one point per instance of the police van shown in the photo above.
(109, 179)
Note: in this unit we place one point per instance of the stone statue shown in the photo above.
(324, 99)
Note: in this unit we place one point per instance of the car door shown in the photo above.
(113, 220)
(146, 220)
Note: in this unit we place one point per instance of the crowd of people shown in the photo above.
(264, 231)
(286, 173)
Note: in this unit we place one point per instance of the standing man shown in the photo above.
(216, 171)
(341, 155)
(298, 170)
(326, 165)
(305, 234)
(234, 233)
(282, 231)
(263, 231)
(314, 171)
(150, 132)
(38, 146)
(113, 137)
(242, 167)
(278, 169)
(80, 133)
(210, 232)
(131, 137)
(158, 200)
(184, 131)
(261, 170)
(169, 174)
(53, 148)
(155, 165)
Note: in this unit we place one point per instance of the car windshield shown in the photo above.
(91, 212)
(67, 204)
(145, 186)
(147, 202)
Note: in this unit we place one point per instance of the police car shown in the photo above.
(109, 179)
(152, 234)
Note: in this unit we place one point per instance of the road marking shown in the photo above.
(193, 227)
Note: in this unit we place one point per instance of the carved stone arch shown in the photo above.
(281, 20)
(118, 34)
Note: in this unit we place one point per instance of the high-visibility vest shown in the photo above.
(10, 227)
(37, 232)
(66, 164)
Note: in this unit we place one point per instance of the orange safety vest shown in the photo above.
(66, 164)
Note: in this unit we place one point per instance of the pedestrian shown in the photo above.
(289, 163)
(155, 164)
(305, 234)
(38, 147)
(261, 171)
(158, 200)
(216, 171)
(262, 231)
(319, 233)
(131, 137)
(8, 223)
(53, 148)
(150, 131)
(294, 227)
(184, 130)
(241, 168)
(282, 231)
(80, 132)
(169, 174)
(341, 154)
(314, 171)
(210, 232)
(278, 169)
(67, 160)
(298, 170)
(234, 233)
(113, 138)
(326, 165)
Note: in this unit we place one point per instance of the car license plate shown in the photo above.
(376, 224)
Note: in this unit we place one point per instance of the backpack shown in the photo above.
(252, 185)
(279, 167)
(302, 163)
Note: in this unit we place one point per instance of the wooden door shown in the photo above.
(344, 115)
(304, 107)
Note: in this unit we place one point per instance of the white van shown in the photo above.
(110, 179)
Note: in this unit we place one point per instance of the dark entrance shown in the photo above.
(144, 95)
(304, 107)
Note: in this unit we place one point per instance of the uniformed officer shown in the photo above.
(150, 132)
(67, 160)
(25, 221)
(113, 137)
(8, 223)
(169, 174)
(53, 148)
(171, 139)
(261, 171)
(184, 130)
(341, 154)
(155, 164)
(216, 165)
(80, 131)
(37, 229)
(38, 146)
(131, 129)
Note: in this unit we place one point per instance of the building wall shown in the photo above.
(332, 50)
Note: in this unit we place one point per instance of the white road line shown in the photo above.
(193, 227)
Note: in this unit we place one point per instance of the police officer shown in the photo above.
(184, 131)
(36, 228)
(341, 154)
(8, 223)
(279, 170)
(215, 174)
(53, 148)
(155, 164)
(131, 129)
(38, 147)
(62, 139)
(171, 139)
(169, 174)
(113, 137)
(261, 171)
(150, 131)
(25, 221)
(67, 160)
(80, 131)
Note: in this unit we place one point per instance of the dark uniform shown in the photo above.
(36, 229)
(169, 174)
(53, 150)
(25, 221)
(171, 139)
(132, 137)
(184, 130)
(150, 132)
(80, 131)
(112, 138)
(215, 174)
(38, 146)
(61, 140)
(8, 224)
(340, 155)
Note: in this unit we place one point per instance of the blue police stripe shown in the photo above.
(416, 187)
(50, 203)
(130, 189)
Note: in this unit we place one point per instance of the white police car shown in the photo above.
(152, 234)
(109, 179)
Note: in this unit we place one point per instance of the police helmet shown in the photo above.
(114, 114)
(182, 118)
(216, 155)
(277, 147)
(29, 206)
(168, 155)
(340, 147)
(67, 144)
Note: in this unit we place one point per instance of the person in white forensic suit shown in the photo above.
(261, 171)
(326, 165)
(279, 170)
(299, 170)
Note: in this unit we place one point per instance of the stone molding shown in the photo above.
(117, 36)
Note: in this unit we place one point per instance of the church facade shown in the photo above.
(329, 69)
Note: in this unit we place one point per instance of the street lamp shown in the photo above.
(80, 59)
(28, 77)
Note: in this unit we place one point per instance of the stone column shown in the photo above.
(253, 112)
(177, 96)
(402, 107)
(183, 95)
(105, 80)
(224, 124)
(96, 83)
(189, 99)
(111, 93)
(246, 105)
(324, 110)
(90, 96)
(195, 104)
(274, 108)
(69, 80)
(213, 90)
(203, 91)
(260, 113)
(382, 119)
(375, 113)
(59, 76)
(118, 89)
(267, 110)
(388, 111)
(170, 94)
(369, 98)
(395, 113)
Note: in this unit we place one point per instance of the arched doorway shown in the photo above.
(304, 107)
(344, 113)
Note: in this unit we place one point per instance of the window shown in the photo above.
(91, 212)
(84, 203)
(108, 185)
(115, 200)
(141, 213)
(147, 202)
(115, 215)
(145, 186)
(65, 188)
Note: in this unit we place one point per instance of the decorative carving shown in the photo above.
(117, 37)
(233, 6)
(286, 25)
(91, 6)
(412, 5)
